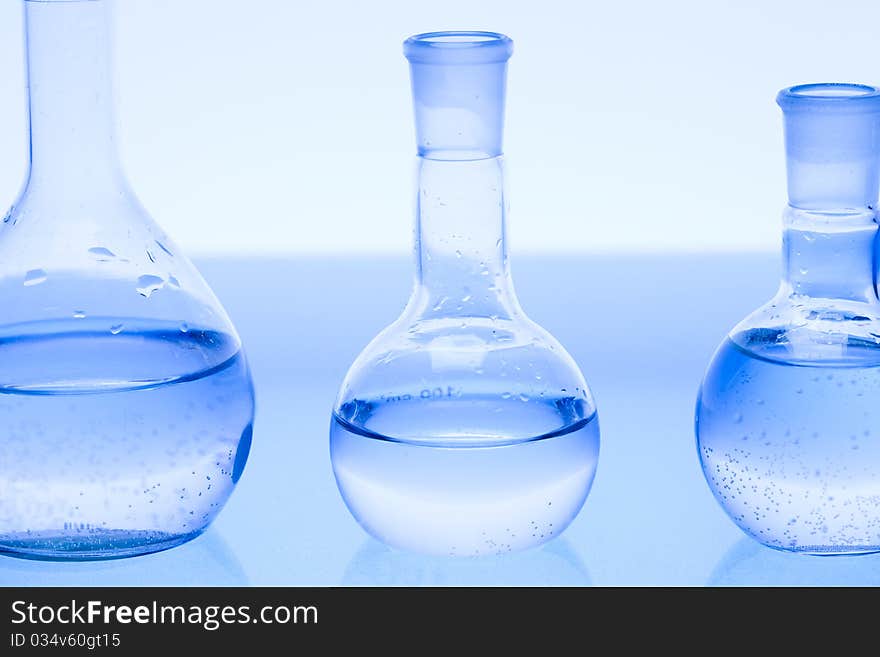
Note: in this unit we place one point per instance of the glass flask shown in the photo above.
(126, 404)
(463, 428)
(788, 415)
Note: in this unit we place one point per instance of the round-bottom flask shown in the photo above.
(788, 416)
(126, 404)
(463, 428)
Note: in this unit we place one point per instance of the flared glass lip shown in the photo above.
(458, 47)
(830, 96)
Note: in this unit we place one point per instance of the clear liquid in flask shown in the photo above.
(108, 465)
(790, 447)
(465, 477)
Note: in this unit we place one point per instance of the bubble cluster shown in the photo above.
(789, 451)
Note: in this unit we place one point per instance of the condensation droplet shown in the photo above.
(102, 253)
(79, 314)
(184, 327)
(35, 277)
(523, 397)
(173, 282)
(116, 329)
(148, 283)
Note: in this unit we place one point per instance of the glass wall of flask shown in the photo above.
(463, 428)
(126, 404)
(788, 420)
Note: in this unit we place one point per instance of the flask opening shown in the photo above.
(830, 96)
(458, 47)
(832, 144)
(458, 84)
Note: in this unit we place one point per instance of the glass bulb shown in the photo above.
(463, 428)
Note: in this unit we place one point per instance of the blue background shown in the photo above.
(642, 328)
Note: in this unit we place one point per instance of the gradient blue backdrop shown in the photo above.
(279, 127)
(274, 140)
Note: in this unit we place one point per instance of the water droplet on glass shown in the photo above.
(164, 248)
(79, 314)
(151, 256)
(173, 282)
(35, 277)
(457, 253)
(184, 327)
(116, 329)
(505, 395)
(467, 298)
(102, 254)
(147, 284)
(523, 397)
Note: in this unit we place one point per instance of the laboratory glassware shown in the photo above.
(788, 415)
(126, 403)
(463, 428)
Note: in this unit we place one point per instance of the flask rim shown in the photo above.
(458, 47)
(830, 97)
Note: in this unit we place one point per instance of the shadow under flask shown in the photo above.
(126, 404)
(788, 416)
(463, 428)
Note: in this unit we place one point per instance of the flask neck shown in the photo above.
(460, 243)
(70, 107)
(830, 256)
(459, 82)
(832, 146)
